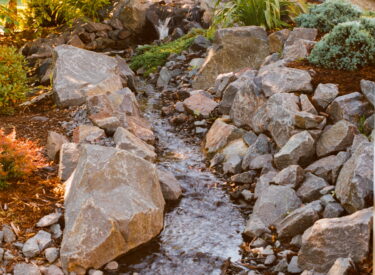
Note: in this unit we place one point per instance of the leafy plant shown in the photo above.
(348, 46)
(9, 18)
(326, 16)
(13, 78)
(271, 14)
(150, 57)
(18, 158)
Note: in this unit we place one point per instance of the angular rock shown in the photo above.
(281, 109)
(333, 210)
(106, 180)
(234, 49)
(301, 33)
(272, 204)
(170, 187)
(200, 105)
(350, 107)
(75, 79)
(342, 266)
(140, 127)
(54, 143)
(355, 183)
(284, 80)
(222, 81)
(49, 219)
(129, 142)
(368, 89)
(325, 94)
(87, 134)
(263, 182)
(310, 188)
(299, 220)
(35, 245)
(306, 105)
(305, 120)
(233, 155)
(8, 234)
(328, 167)
(327, 240)
(26, 269)
(69, 155)
(200, 43)
(336, 138)
(245, 177)
(277, 40)
(260, 162)
(292, 175)
(299, 149)
(51, 254)
(261, 146)
(165, 76)
(298, 50)
(293, 266)
(54, 270)
(56, 231)
(219, 135)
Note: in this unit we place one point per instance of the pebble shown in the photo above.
(270, 259)
(9, 235)
(56, 231)
(112, 266)
(95, 272)
(49, 220)
(51, 254)
(293, 265)
(40, 118)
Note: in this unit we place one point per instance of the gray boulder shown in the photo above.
(368, 89)
(75, 79)
(325, 94)
(355, 183)
(299, 149)
(330, 239)
(350, 107)
(170, 187)
(299, 220)
(310, 188)
(105, 181)
(272, 204)
(234, 49)
(292, 175)
(336, 138)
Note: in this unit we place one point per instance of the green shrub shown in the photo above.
(326, 16)
(271, 14)
(348, 46)
(150, 57)
(12, 78)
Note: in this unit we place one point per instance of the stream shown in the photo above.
(204, 228)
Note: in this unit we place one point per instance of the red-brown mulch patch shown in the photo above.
(348, 81)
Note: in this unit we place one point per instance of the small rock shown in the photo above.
(233, 155)
(247, 195)
(96, 272)
(54, 270)
(26, 269)
(270, 259)
(282, 266)
(243, 178)
(49, 220)
(200, 43)
(111, 266)
(333, 210)
(293, 265)
(169, 185)
(296, 241)
(222, 81)
(37, 244)
(342, 266)
(179, 106)
(258, 243)
(306, 105)
(51, 254)
(325, 94)
(200, 105)
(368, 89)
(293, 175)
(56, 231)
(260, 147)
(8, 256)
(165, 76)
(310, 188)
(8, 234)
(87, 134)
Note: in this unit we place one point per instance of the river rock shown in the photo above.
(129, 142)
(284, 80)
(350, 107)
(281, 109)
(75, 79)
(292, 175)
(233, 155)
(354, 187)
(336, 138)
(200, 105)
(299, 220)
(328, 167)
(219, 135)
(54, 143)
(87, 134)
(299, 149)
(26, 269)
(272, 204)
(170, 187)
(234, 49)
(342, 266)
(69, 155)
(327, 240)
(310, 188)
(368, 89)
(107, 179)
(325, 94)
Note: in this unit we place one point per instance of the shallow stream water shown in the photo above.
(204, 228)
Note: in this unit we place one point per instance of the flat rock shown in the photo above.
(129, 142)
(200, 105)
(355, 183)
(169, 185)
(306, 120)
(298, 150)
(234, 49)
(327, 240)
(336, 138)
(310, 188)
(106, 180)
(325, 94)
(301, 33)
(75, 79)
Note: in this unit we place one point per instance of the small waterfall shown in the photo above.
(163, 28)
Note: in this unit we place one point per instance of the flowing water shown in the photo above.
(204, 228)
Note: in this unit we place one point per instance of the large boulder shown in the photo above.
(74, 78)
(355, 183)
(234, 49)
(330, 239)
(113, 203)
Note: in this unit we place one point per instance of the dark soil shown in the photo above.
(348, 81)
